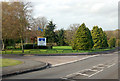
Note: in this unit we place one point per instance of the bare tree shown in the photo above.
(35, 23)
(40, 22)
(8, 22)
(16, 16)
(70, 32)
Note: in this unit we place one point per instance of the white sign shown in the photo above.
(41, 41)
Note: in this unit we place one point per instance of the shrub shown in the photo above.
(34, 46)
(9, 47)
(112, 42)
(29, 46)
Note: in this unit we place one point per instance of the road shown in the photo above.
(104, 66)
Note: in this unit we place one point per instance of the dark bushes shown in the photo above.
(34, 46)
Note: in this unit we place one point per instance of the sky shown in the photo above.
(103, 13)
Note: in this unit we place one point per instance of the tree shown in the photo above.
(23, 22)
(40, 22)
(49, 33)
(103, 38)
(60, 38)
(114, 34)
(7, 23)
(70, 34)
(109, 34)
(37, 22)
(83, 39)
(96, 37)
(16, 16)
(112, 42)
(99, 38)
(118, 42)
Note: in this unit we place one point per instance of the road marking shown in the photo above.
(64, 78)
(79, 72)
(85, 70)
(93, 70)
(101, 70)
(70, 75)
(100, 66)
(82, 74)
(95, 73)
(74, 61)
(111, 65)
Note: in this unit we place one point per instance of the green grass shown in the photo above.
(56, 49)
(9, 62)
(62, 47)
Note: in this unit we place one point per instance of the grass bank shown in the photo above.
(9, 62)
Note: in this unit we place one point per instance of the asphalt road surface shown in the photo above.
(104, 66)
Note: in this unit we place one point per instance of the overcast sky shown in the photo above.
(103, 13)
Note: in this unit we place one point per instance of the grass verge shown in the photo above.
(55, 50)
(9, 62)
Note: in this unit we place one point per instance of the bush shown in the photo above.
(44, 47)
(28, 46)
(34, 46)
(9, 47)
(112, 42)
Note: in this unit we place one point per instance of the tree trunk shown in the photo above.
(22, 46)
(3, 45)
(33, 43)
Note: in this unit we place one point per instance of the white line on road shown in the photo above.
(111, 65)
(82, 74)
(95, 73)
(74, 61)
(93, 70)
(101, 66)
(70, 75)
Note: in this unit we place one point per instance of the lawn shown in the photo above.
(9, 62)
(63, 47)
(55, 50)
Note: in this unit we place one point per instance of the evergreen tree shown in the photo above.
(61, 38)
(112, 42)
(83, 38)
(49, 33)
(99, 38)
(103, 38)
(96, 37)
